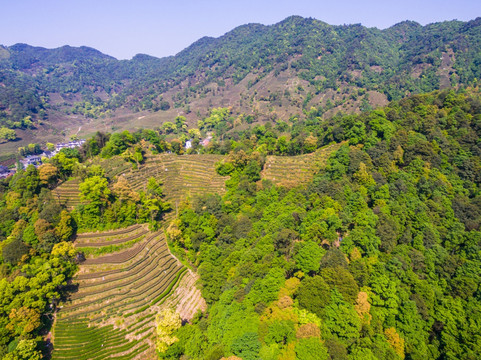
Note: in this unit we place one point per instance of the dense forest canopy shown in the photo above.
(377, 258)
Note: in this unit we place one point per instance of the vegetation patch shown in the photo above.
(97, 251)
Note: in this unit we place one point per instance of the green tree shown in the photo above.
(281, 332)
(308, 257)
(169, 127)
(64, 228)
(64, 162)
(284, 240)
(311, 349)
(341, 318)
(313, 294)
(168, 321)
(341, 279)
(26, 349)
(7, 134)
(180, 121)
(134, 155)
(14, 251)
(94, 190)
(247, 346)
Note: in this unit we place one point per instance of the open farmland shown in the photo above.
(112, 315)
(291, 171)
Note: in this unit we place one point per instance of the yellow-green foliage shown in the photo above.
(167, 321)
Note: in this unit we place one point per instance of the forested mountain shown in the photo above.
(272, 72)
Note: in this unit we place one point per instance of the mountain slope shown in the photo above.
(269, 71)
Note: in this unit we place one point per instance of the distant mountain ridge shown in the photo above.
(274, 71)
(53, 56)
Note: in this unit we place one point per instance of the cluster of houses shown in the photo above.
(69, 145)
(36, 160)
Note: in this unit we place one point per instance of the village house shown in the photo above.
(48, 154)
(5, 172)
(69, 145)
(206, 141)
(34, 160)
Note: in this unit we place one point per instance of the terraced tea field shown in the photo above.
(114, 166)
(292, 171)
(112, 315)
(182, 176)
(67, 193)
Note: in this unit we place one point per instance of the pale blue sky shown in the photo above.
(123, 28)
